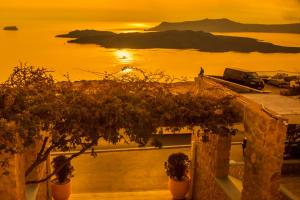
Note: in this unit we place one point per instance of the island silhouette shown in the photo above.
(226, 25)
(10, 28)
(173, 39)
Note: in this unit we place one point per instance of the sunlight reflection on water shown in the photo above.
(124, 56)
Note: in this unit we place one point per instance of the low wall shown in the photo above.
(236, 170)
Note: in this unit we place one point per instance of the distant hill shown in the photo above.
(199, 40)
(86, 33)
(226, 25)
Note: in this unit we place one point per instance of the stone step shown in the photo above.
(140, 195)
(292, 184)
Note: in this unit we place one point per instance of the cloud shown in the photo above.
(292, 13)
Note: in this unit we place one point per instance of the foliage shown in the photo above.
(74, 115)
(27, 99)
(292, 146)
(177, 166)
(65, 173)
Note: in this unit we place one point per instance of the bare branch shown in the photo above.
(38, 158)
(69, 159)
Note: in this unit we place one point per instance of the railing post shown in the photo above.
(48, 171)
(192, 171)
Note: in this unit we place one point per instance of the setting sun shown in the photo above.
(139, 25)
(124, 56)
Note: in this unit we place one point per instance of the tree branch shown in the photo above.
(69, 159)
(38, 161)
(38, 158)
(43, 147)
(41, 157)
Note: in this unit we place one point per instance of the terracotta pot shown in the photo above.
(61, 191)
(179, 189)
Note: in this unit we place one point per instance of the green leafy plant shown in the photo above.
(177, 166)
(64, 169)
(292, 144)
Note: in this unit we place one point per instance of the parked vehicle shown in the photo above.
(295, 84)
(284, 80)
(280, 80)
(243, 77)
(279, 83)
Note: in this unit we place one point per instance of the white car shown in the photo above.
(295, 83)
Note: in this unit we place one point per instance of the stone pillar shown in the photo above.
(223, 156)
(264, 154)
(12, 186)
(211, 162)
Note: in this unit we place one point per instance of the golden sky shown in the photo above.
(256, 11)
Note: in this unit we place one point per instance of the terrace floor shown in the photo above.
(141, 195)
(130, 175)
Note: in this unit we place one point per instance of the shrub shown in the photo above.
(177, 166)
(63, 169)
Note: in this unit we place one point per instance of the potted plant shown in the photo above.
(177, 168)
(61, 185)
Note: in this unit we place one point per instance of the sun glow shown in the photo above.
(139, 25)
(124, 56)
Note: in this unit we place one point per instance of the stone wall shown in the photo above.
(211, 159)
(12, 185)
(39, 173)
(264, 153)
(211, 162)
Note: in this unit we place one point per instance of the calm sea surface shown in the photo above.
(35, 44)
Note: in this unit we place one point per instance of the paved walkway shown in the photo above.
(122, 171)
(142, 195)
(125, 171)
